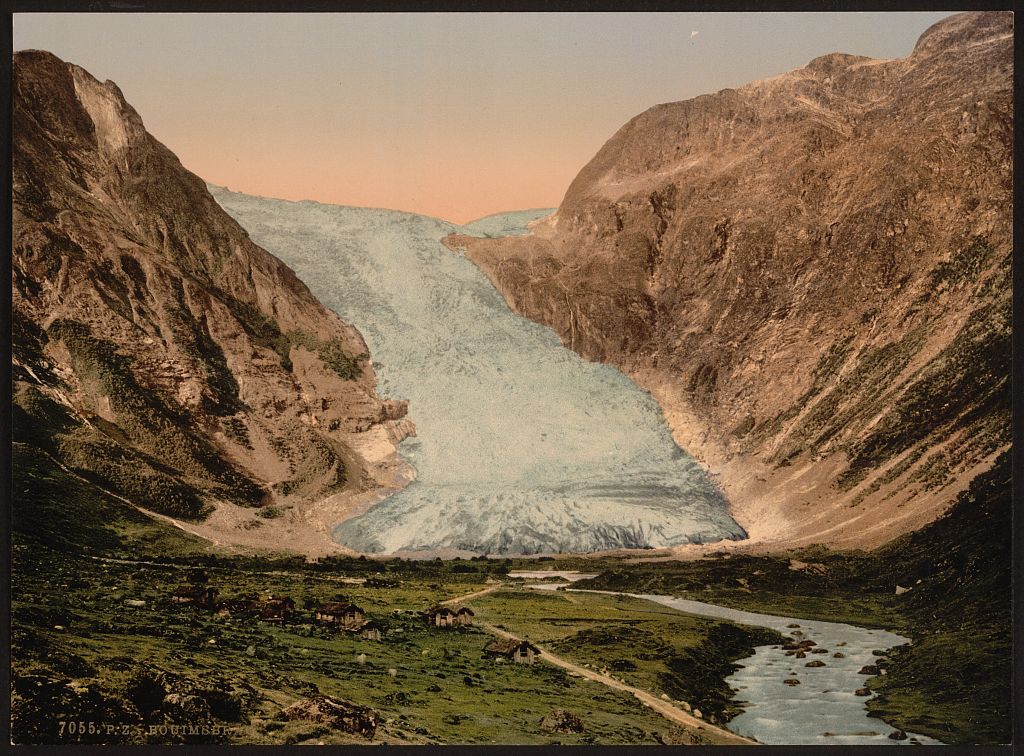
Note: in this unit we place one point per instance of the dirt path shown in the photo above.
(717, 735)
(473, 595)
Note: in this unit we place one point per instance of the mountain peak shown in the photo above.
(963, 30)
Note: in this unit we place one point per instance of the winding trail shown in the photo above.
(718, 735)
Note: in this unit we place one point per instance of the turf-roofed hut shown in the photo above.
(277, 609)
(518, 651)
(348, 615)
(196, 595)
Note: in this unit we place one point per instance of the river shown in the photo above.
(823, 709)
(521, 446)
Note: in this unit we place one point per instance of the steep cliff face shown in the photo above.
(812, 275)
(157, 350)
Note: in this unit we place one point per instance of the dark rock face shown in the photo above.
(812, 275)
(157, 351)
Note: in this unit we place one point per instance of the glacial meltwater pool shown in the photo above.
(521, 446)
(823, 709)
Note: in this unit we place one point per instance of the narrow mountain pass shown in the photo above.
(522, 447)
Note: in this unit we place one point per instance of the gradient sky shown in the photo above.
(451, 115)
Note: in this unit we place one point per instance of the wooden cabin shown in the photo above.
(465, 615)
(371, 630)
(197, 595)
(442, 616)
(349, 616)
(247, 606)
(277, 609)
(517, 651)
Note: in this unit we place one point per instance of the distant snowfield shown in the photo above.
(522, 447)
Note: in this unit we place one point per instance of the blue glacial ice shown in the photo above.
(522, 447)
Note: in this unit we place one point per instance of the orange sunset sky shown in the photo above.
(451, 115)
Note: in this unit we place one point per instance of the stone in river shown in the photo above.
(791, 681)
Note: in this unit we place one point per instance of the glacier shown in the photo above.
(522, 447)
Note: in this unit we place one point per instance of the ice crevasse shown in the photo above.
(522, 447)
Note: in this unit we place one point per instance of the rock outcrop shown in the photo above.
(157, 350)
(811, 274)
(338, 714)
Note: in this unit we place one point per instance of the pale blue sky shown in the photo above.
(456, 115)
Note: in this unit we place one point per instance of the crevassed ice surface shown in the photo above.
(522, 447)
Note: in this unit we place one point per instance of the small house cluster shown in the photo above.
(350, 617)
(278, 610)
(346, 616)
(449, 616)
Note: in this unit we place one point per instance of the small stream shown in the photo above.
(822, 708)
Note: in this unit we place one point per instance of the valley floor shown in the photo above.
(97, 638)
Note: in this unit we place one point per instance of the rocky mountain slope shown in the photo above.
(160, 353)
(811, 274)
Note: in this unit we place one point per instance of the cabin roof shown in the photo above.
(508, 646)
(192, 590)
(279, 601)
(336, 607)
(440, 610)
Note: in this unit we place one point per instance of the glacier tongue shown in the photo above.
(522, 446)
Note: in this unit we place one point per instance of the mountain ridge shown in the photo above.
(800, 269)
(161, 353)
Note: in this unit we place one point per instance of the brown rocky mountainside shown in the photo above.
(160, 353)
(811, 273)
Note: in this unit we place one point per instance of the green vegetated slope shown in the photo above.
(83, 654)
(954, 681)
(651, 647)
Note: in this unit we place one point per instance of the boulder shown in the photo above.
(801, 655)
(868, 669)
(186, 707)
(862, 692)
(897, 735)
(815, 663)
(792, 625)
(791, 681)
(838, 655)
(337, 713)
(560, 720)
